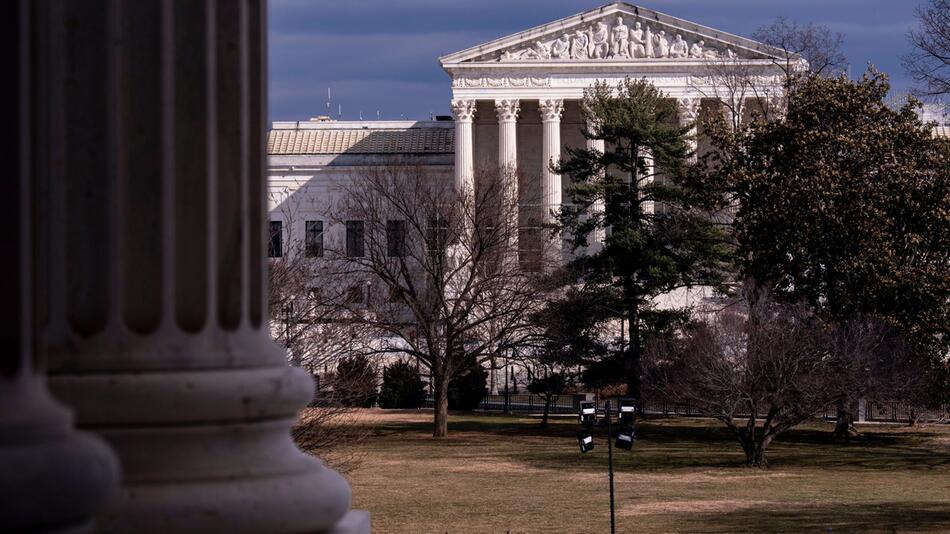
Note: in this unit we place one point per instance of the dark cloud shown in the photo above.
(382, 54)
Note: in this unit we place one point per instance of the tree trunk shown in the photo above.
(632, 363)
(441, 408)
(844, 424)
(547, 410)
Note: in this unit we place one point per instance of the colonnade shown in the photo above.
(139, 225)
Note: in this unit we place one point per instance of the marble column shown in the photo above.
(464, 112)
(688, 116)
(52, 478)
(153, 291)
(649, 176)
(551, 111)
(507, 111)
(597, 238)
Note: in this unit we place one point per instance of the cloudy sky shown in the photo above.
(381, 55)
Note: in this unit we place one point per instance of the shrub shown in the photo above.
(354, 382)
(402, 387)
(468, 388)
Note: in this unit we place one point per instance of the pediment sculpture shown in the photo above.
(619, 41)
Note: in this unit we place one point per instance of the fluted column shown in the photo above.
(649, 176)
(464, 112)
(595, 242)
(154, 292)
(551, 111)
(689, 115)
(52, 478)
(507, 112)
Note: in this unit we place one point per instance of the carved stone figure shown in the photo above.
(579, 45)
(598, 38)
(561, 49)
(709, 53)
(543, 50)
(648, 48)
(619, 39)
(637, 48)
(679, 48)
(662, 48)
(696, 50)
(730, 54)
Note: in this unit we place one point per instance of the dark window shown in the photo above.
(356, 295)
(396, 239)
(438, 236)
(354, 239)
(276, 248)
(314, 243)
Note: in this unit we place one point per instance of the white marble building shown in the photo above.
(515, 102)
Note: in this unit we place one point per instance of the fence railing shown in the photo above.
(570, 404)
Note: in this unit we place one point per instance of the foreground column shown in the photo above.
(464, 112)
(595, 242)
(154, 297)
(52, 478)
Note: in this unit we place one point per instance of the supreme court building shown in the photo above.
(516, 104)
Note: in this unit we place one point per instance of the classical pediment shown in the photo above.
(615, 33)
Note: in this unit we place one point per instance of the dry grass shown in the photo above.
(502, 474)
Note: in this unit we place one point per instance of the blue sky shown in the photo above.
(382, 54)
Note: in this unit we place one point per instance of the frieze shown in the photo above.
(618, 41)
(501, 81)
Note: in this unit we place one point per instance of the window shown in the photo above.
(395, 239)
(438, 236)
(314, 243)
(354, 239)
(276, 248)
(357, 294)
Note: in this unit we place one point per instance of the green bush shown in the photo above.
(354, 382)
(402, 387)
(468, 388)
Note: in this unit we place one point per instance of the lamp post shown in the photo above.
(625, 437)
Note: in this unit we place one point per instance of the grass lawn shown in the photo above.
(502, 474)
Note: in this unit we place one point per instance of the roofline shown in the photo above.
(746, 43)
(360, 125)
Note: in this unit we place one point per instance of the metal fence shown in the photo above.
(570, 404)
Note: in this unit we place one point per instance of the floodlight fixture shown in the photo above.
(625, 437)
(588, 413)
(585, 439)
(628, 410)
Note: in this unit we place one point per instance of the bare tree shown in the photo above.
(762, 371)
(929, 62)
(444, 267)
(313, 315)
(815, 43)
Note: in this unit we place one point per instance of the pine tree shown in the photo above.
(660, 235)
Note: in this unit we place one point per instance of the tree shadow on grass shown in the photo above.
(844, 517)
(678, 444)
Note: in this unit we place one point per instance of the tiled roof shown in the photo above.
(360, 141)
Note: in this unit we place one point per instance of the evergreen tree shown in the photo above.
(468, 387)
(402, 387)
(660, 235)
(845, 203)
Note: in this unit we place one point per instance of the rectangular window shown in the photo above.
(356, 294)
(396, 239)
(438, 236)
(314, 245)
(276, 248)
(354, 239)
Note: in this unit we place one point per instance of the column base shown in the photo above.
(52, 478)
(208, 450)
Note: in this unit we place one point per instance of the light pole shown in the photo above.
(625, 438)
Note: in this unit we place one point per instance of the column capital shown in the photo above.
(689, 109)
(551, 109)
(463, 110)
(507, 109)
